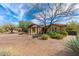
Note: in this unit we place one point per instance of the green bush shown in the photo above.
(56, 35)
(73, 46)
(44, 37)
(1, 30)
(65, 33)
(25, 30)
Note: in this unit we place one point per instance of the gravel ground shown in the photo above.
(25, 45)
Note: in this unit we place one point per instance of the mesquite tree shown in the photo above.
(9, 27)
(23, 25)
(49, 13)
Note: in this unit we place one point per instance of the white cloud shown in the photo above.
(35, 21)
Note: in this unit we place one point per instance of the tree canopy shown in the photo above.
(51, 13)
(24, 25)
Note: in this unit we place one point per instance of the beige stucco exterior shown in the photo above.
(35, 29)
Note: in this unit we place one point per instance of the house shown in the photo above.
(57, 27)
(35, 29)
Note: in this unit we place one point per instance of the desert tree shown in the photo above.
(23, 25)
(73, 26)
(50, 13)
(9, 27)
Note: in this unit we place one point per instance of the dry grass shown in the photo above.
(8, 51)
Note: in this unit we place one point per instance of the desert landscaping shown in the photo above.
(26, 45)
(39, 29)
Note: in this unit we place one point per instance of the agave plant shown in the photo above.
(73, 46)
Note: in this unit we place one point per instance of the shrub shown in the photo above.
(59, 36)
(5, 53)
(56, 35)
(1, 30)
(25, 30)
(73, 46)
(44, 37)
(65, 33)
(10, 51)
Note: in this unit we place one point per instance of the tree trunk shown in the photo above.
(45, 29)
(11, 31)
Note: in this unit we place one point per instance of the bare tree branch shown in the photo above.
(52, 11)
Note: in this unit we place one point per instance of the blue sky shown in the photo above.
(14, 12)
